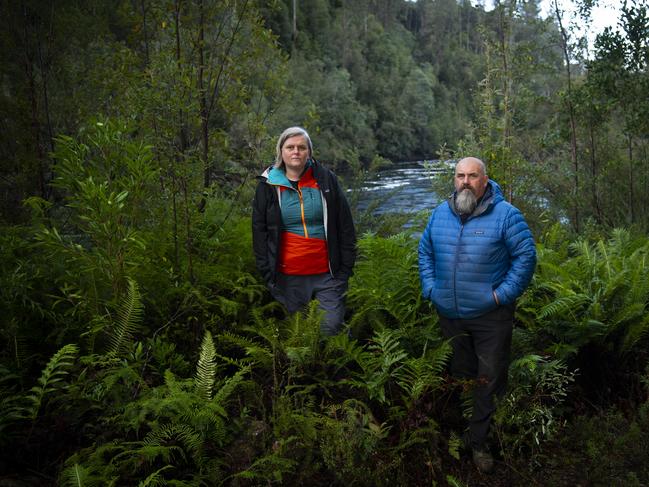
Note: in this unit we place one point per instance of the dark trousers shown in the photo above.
(295, 292)
(481, 348)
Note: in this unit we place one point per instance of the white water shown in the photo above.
(404, 187)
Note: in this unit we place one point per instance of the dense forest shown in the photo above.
(138, 344)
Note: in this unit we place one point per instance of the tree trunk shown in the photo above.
(184, 144)
(202, 95)
(632, 173)
(145, 32)
(593, 174)
(294, 37)
(39, 152)
(507, 83)
(571, 114)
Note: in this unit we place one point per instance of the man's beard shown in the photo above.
(465, 201)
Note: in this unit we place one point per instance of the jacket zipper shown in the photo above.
(299, 193)
(457, 250)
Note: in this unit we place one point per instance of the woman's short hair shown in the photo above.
(287, 134)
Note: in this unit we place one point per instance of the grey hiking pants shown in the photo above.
(481, 348)
(295, 292)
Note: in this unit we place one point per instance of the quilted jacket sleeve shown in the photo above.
(520, 245)
(427, 260)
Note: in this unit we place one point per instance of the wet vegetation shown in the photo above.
(140, 347)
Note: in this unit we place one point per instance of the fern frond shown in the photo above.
(302, 342)
(257, 352)
(206, 368)
(563, 304)
(129, 316)
(229, 385)
(269, 468)
(635, 333)
(378, 366)
(169, 435)
(76, 476)
(347, 351)
(386, 343)
(152, 451)
(419, 375)
(385, 288)
(50, 378)
(155, 479)
(415, 377)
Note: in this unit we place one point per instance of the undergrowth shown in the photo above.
(146, 351)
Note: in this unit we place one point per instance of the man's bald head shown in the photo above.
(471, 173)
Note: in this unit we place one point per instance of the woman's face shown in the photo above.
(295, 153)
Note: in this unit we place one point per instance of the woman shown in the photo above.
(302, 229)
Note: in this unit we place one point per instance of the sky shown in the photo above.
(604, 15)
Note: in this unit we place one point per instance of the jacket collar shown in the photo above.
(277, 176)
(493, 194)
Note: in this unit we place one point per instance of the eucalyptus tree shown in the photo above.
(512, 101)
(615, 90)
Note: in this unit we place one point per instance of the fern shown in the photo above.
(342, 351)
(379, 365)
(423, 374)
(77, 476)
(255, 352)
(454, 445)
(50, 379)
(600, 292)
(184, 434)
(302, 341)
(206, 368)
(269, 468)
(129, 316)
(385, 290)
(155, 479)
(563, 305)
(635, 332)
(229, 385)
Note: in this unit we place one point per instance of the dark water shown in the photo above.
(404, 187)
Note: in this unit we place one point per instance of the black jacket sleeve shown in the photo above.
(346, 233)
(265, 233)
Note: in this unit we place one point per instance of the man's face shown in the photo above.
(470, 175)
(295, 152)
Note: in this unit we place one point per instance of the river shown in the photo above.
(403, 187)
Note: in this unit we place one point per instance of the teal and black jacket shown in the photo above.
(268, 228)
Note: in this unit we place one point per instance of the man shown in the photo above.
(476, 257)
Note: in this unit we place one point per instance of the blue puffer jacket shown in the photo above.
(462, 264)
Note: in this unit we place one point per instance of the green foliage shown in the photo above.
(383, 357)
(386, 295)
(597, 291)
(129, 315)
(51, 378)
(182, 422)
(206, 368)
(422, 375)
(25, 408)
(349, 440)
(607, 448)
(531, 412)
(77, 476)
(175, 105)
